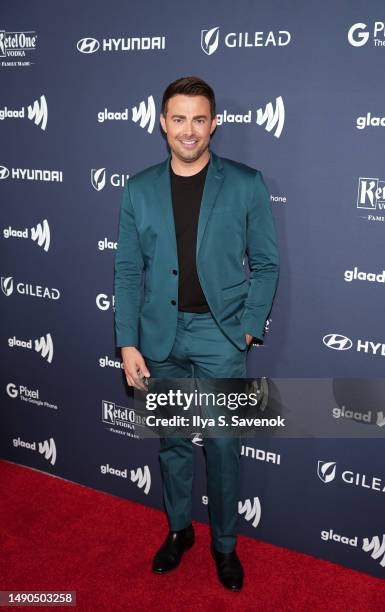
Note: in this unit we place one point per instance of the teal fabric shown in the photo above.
(235, 220)
(200, 351)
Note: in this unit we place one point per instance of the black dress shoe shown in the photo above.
(170, 553)
(229, 569)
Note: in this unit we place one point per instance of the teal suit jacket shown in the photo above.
(235, 221)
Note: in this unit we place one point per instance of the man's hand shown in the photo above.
(134, 365)
(249, 339)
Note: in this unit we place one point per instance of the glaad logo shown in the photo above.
(342, 412)
(107, 362)
(342, 343)
(37, 112)
(251, 509)
(28, 174)
(370, 277)
(210, 39)
(326, 470)
(376, 548)
(369, 121)
(271, 117)
(135, 43)
(43, 345)
(40, 234)
(107, 244)
(145, 114)
(46, 448)
(337, 342)
(142, 478)
(358, 35)
(98, 179)
(39, 291)
(104, 303)
(373, 546)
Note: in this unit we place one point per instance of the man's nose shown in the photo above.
(189, 128)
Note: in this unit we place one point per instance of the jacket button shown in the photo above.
(173, 302)
(175, 272)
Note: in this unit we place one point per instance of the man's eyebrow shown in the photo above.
(184, 116)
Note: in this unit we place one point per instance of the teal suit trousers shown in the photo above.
(201, 350)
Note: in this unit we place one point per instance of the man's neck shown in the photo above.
(189, 169)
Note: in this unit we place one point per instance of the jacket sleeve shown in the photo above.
(128, 275)
(263, 260)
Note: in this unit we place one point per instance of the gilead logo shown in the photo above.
(210, 39)
(326, 471)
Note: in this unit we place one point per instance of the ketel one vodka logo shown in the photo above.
(37, 112)
(15, 45)
(371, 194)
(40, 234)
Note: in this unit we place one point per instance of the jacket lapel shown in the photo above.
(213, 183)
(164, 198)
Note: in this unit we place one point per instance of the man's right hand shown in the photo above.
(134, 364)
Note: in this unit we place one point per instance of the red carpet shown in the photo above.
(56, 535)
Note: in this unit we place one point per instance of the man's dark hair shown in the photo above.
(189, 86)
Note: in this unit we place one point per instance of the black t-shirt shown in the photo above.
(186, 201)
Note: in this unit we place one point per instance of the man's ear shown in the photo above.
(213, 124)
(163, 122)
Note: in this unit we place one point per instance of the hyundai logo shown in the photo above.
(88, 45)
(4, 172)
(337, 342)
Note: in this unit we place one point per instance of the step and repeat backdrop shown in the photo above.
(299, 96)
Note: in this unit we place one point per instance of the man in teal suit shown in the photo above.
(186, 226)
